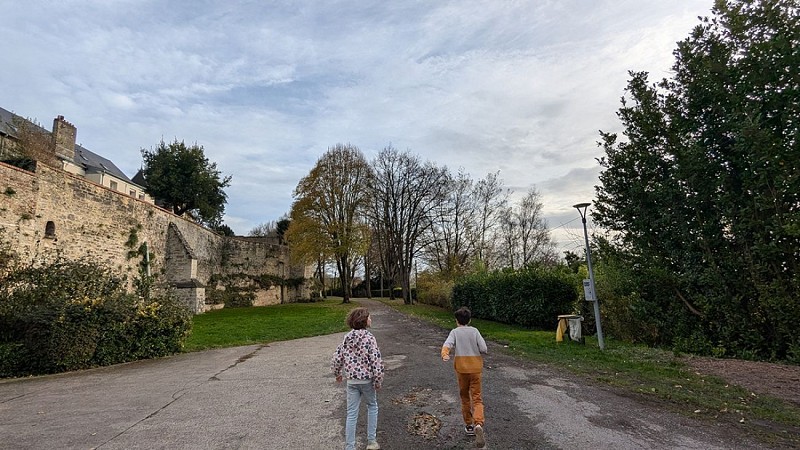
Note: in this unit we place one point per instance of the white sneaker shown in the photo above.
(373, 445)
(480, 439)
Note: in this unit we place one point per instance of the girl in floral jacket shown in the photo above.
(358, 359)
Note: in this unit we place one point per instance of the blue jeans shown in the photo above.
(354, 394)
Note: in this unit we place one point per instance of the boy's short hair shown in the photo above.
(357, 318)
(463, 315)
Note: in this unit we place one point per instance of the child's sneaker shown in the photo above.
(480, 439)
(470, 430)
(373, 445)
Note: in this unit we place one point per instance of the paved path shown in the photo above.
(282, 396)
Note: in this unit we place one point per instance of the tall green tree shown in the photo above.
(702, 196)
(327, 217)
(184, 180)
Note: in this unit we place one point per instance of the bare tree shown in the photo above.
(509, 237)
(404, 193)
(31, 143)
(448, 248)
(534, 237)
(490, 202)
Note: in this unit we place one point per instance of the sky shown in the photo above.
(519, 87)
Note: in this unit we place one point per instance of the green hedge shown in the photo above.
(532, 297)
(71, 315)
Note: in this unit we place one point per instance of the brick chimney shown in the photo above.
(64, 135)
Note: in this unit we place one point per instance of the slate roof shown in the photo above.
(6, 121)
(90, 161)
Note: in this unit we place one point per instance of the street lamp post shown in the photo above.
(581, 207)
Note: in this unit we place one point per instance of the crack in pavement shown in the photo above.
(181, 392)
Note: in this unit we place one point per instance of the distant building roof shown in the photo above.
(90, 161)
(94, 162)
(7, 123)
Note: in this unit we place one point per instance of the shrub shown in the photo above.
(71, 315)
(531, 297)
(238, 298)
(434, 290)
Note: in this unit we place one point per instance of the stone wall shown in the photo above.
(52, 212)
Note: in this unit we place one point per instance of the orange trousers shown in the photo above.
(469, 389)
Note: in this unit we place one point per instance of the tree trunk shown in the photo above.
(344, 269)
(367, 276)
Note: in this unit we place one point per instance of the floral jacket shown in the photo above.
(358, 358)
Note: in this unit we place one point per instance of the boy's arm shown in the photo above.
(482, 344)
(448, 344)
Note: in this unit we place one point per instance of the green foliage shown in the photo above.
(231, 297)
(184, 179)
(434, 289)
(8, 257)
(223, 229)
(26, 164)
(327, 215)
(702, 196)
(531, 297)
(71, 315)
(10, 191)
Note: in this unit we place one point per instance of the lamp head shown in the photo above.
(581, 207)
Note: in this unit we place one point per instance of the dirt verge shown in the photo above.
(776, 380)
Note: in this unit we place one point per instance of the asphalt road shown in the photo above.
(282, 396)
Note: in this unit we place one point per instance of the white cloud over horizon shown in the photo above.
(521, 87)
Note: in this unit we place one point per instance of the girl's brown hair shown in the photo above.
(357, 319)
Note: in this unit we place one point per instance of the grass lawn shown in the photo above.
(643, 371)
(229, 327)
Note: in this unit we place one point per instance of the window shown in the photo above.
(133, 193)
(141, 196)
(113, 185)
(50, 230)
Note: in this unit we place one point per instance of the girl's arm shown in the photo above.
(376, 361)
(337, 362)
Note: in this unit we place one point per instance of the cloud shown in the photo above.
(266, 87)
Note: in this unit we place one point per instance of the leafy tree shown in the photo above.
(327, 215)
(184, 180)
(223, 229)
(573, 261)
(702, 196)
(308, 241)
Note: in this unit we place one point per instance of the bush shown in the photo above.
(531, 297)
(238, 298)
(231, 297)
(71, 315)
(433, 289)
